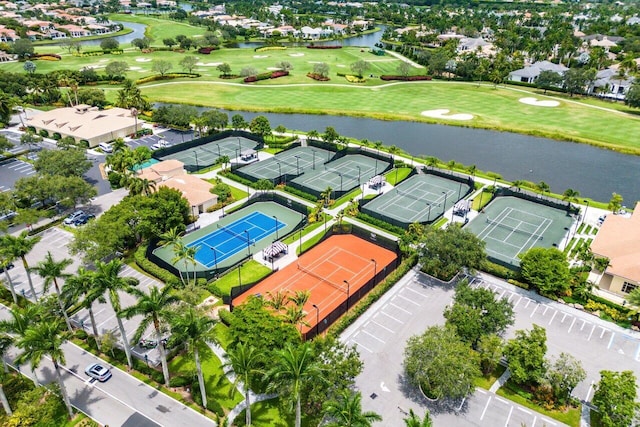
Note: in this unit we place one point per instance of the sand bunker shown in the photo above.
(340, 65)
(260, 56)
(538, 103)
(135, 68)
(273, 68)
(296, 54)
(442, 114)
(208, 64)
(143, 59)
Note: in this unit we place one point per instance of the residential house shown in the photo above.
(6, 57)
(309, 33)
(618, 241)
(610, 84)
(530, 74)
(478, 45)
(75, 30)
(7, 34)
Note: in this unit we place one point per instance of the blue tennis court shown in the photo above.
(230, 239)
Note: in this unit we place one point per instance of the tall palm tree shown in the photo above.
(51, 270)
(181, 251)
(543, 187)
(153, 308)
(19, 247)
(570, 195)
(195, 329)
(171, 237)
(245, 360)
(190, 254)
(6, 341)
(5, 261)
(414, 420)
(346, 411)
(293, 367)
(45, 338)
(300, 298)
(108, 279)
(83, 288)
(277, 300)
(22, 318)
(142, 186)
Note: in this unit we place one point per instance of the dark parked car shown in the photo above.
(98, 372)
(83, 219)
(9, 267)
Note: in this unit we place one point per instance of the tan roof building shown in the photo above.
(171, 174)
(619, 241)
(85, 123)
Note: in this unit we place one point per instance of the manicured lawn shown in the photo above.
(267, 414)
(159, 29)
(487, 381)
(400, 173)
(570, 417)
(218, 387)
(251, 272)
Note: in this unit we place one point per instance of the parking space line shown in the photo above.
(535, 418)
(613, 334)
(564, 316)
(553, 317)
(415, 292)
(516, 304)
(486, 406)
(603, 331)
(382, 326)
(502, 400)
(506, 424)
(584, 322)
(592, 329)
(528, 302)
(360, 345)
(408, 300)
(400, 308)
(635, 356)
(571, 327)
(544, 313)
(391, 317)
(525, 411)
(534, 310)
(373, 336)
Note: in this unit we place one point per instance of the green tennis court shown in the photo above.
(291, 162)
(342, 174)
(420, 198)
(511, 226)
(206, 155)
(216, 254)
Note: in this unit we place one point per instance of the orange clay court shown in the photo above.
(323, 271)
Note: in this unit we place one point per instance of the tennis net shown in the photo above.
(233, 233)
(346, 175)
(412, 196)
(515, 230)
(317, 276)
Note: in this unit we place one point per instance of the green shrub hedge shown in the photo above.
(300, 193)
(149, 267)
(381, 224)
(168, 76)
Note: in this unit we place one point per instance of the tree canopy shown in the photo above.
(525, 355)
(615, 398)
(444, 252)
(547, 270)
(440, 364)
(477, 312)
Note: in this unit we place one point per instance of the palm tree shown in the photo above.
(224, 161)
(22, 318)
(300, 298)
(142, 186)
(83, 287)
(108, 279)
(277, 300)
(190, 254)
(51, 270)
(171, 237)
(19, 247)
(292, 368)
(472, 169)
(570, 195)
(153, 308)
(45, 338)
(296, 316)
(346, 411)
(432, 161)
(195, 329)
(5, 261)
(181, 254)
(377, 145)
(6, 341)
(244, 359)
(414, 420)
(326, 196)
(543, 187)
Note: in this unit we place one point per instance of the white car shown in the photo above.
(73, 217)
(98, 372)
(160, 144)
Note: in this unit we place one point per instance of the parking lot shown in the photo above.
(416, 303)
(55, 240)
(13, 169)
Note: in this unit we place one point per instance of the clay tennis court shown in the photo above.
(341, 266)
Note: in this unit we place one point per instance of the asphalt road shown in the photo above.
(121, 401)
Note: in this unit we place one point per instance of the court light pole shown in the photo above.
(375, 270)
(340, 175)
(195, 153)
(585, 210)
(239, 276)
(358, 175)
(348, 293)
(429, 214)
(314, 159)
(459, 190)
(317, 319)
(279, 172)
(300, 243)
(218, 145)
(444, 206)
(297, 164)
(248, 242)
(276, 218)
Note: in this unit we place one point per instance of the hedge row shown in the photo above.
(237, 178)
(381, 224)
(266, 76)
(40, 55)
(167, 77)
(301, 193)
(323, 47)
(151, 268)
(373, 296)
(405, 78)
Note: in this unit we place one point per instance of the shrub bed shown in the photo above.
(207, 50)
(89, 53)
(405, 78)
(318, 77)
(354, 79)
(149, 267)
(266, 48)
(167, 77)
(301, 193)
(46, 55)
(266, 76)
(323, 47)
(381, 224)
